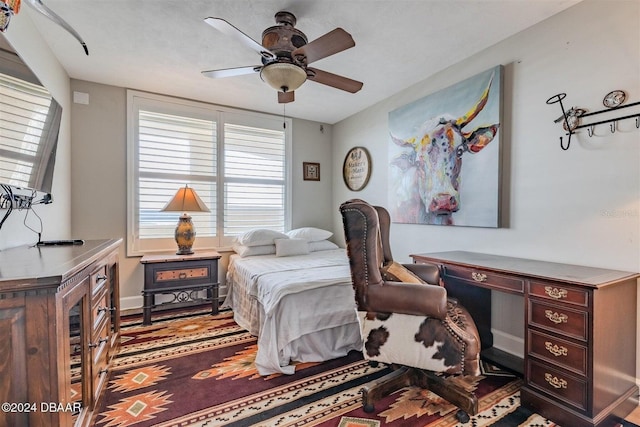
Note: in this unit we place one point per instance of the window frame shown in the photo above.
(171, 105)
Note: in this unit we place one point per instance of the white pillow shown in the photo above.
(245, 251)
(322, 245)
(289, 247)
(312, 234)
(259, 237)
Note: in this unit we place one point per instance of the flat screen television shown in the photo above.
(29, 126)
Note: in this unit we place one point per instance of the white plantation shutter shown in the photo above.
(174, 151)
(236, 162)
(254, 179)
(24, 108)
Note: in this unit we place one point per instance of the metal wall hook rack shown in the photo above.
(613, 122)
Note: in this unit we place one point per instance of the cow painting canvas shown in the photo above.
(444, 155)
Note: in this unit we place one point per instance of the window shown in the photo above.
(236, 161)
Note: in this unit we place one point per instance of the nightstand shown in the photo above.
(183, 276)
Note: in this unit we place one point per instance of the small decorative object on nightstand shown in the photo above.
(182, 276)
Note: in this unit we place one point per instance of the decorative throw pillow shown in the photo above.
(260, 236)
(289, 247)
(395, 272)
(245, 251)
(322, 245)
(312, 234)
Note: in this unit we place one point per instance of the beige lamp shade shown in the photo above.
(185, 200)
(283, 76)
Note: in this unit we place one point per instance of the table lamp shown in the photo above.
(185, 200)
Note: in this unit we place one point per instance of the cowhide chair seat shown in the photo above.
(406, 319)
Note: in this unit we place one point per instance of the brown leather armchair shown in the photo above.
(406, 319)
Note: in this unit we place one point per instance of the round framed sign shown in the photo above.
(357, 168)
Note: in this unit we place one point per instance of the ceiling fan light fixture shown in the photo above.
(283, 76)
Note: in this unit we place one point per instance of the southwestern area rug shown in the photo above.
(190, 368)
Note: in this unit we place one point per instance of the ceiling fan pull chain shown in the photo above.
(284, 123)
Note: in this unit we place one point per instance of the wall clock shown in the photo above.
(356, 169)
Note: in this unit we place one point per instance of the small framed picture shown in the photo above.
(311, 171)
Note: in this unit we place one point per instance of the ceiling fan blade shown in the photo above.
(285, 97)
(334, 80)
(232, 72)
(40, 7)
(333, 42)
(231, 31)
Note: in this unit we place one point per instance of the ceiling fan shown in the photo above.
(286, 56)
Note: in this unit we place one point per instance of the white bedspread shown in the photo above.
(299, 296)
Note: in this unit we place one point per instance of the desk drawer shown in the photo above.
(485, 278)
(565, 294)
(558, 351)
(569, 389)
(561, 319)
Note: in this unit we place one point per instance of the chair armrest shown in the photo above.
(408, 298)
(430, 273)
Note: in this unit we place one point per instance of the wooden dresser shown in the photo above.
(579, 364)
(59, 329)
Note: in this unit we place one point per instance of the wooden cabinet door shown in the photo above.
(13, 369)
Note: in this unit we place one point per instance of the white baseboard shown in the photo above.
(509, 343)
(130, 303)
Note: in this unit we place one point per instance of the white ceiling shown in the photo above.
(162, 46)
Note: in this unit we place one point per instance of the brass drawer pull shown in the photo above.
(555, 293)
(555, 381)
(478, 277)
(556, 350)
(555, 317)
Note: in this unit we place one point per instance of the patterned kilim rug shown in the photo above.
(193, 369)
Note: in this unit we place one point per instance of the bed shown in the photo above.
(300, 306)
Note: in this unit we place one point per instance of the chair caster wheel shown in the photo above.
(462, 416)
(368, 408)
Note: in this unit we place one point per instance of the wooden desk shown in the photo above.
(579, 362)
(182, 276)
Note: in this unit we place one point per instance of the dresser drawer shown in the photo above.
(561, 319)
(565, 294)
(485, 278)
(99, 347)
(558, 351)
(100, 309)
(100, 356)
(99, 279)
(569, 389)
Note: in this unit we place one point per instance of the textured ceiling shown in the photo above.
(162, 46)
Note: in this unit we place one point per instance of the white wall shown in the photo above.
(312, 199)
(580, 206)
(29, 44)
